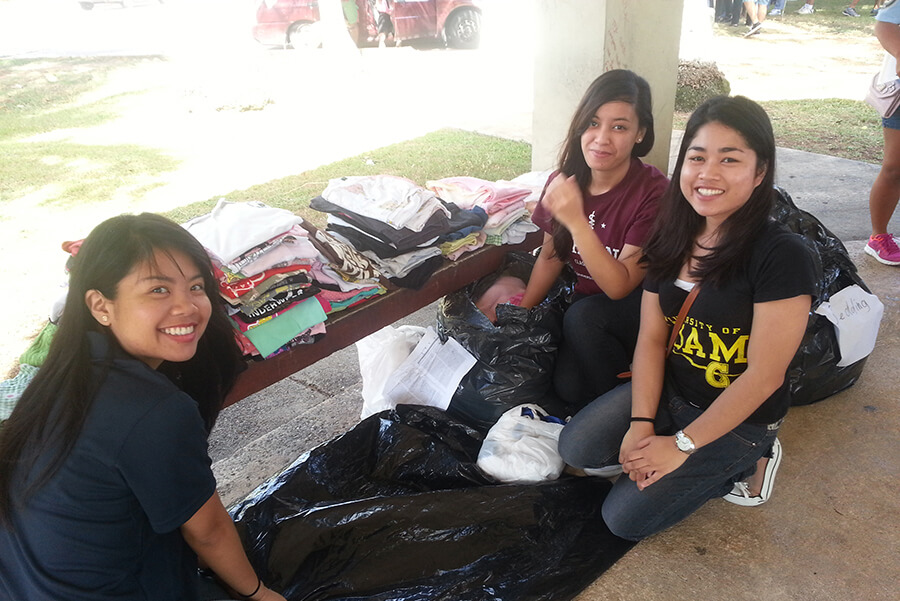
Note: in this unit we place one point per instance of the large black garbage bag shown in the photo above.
(397, 509)
(814, 374)
(515, 357)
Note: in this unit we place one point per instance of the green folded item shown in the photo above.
(271, 335)
(38, 350)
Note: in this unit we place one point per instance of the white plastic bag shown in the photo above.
(856, 316)
(380, 354)
(522, 447)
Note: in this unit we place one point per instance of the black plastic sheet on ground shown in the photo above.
(397, 509)
(814, 374)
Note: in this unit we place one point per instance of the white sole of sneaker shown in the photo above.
(771, 469)
(874, 253)
(610, 471)
(738, 497)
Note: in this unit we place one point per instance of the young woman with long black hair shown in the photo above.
(596, 212)
(106, 490)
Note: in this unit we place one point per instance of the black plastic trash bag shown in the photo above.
(397, 509)
(515, 357)
(814, 374)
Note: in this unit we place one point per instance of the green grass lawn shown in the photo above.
(40, 101)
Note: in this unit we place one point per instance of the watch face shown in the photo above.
(683, 442)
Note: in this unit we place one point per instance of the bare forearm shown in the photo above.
(543, 275)
(211, 534)
(611, 275)
(738, 402)
(223, 554)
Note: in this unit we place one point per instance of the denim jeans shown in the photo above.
(592, 439)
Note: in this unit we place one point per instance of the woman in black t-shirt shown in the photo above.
(695, 423)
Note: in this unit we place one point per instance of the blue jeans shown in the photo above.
(592, 439)
(892, 122)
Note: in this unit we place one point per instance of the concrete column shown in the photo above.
(577, 40)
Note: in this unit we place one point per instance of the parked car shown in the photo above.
(294, 22)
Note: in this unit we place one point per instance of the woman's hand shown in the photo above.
(635, 434)
(267, 594)
(653, 458)
(564, 201)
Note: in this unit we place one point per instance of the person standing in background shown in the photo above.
(886, 190)
(756, 12)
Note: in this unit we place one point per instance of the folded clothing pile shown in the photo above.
(279, 276)
(405, 229)
(509, 219)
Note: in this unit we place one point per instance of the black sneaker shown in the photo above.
(850, 12)
(754, 29)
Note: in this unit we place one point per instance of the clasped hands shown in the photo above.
(646, 457)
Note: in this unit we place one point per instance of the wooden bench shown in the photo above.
(346, 327)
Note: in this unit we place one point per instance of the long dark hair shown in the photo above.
(618, 85)
(677, 225)
(51, 412)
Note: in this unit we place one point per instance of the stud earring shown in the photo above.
(104, 318)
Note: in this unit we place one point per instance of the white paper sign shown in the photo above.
(856, 315)
(430, 374)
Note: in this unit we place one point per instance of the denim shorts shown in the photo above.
(892, 122)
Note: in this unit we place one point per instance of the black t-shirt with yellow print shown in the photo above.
(712, 347)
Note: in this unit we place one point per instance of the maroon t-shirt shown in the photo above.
(619, 217)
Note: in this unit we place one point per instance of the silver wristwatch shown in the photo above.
(684, 442)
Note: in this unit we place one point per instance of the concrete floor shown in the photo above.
(830, 531)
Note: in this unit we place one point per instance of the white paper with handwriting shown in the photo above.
(856, 315)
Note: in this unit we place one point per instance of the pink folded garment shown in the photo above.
(467, 192)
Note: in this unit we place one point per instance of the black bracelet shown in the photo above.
(256, 590)
(644, 419)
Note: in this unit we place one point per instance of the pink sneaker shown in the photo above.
(884, 248)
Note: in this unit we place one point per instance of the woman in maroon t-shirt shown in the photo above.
(596, 211)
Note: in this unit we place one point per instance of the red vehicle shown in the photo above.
(294, 22)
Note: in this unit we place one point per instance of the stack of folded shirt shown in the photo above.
(397, 224)
(263, 260)
(508, 222)
(345, 277)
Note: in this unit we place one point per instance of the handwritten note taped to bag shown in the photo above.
(856, 316)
